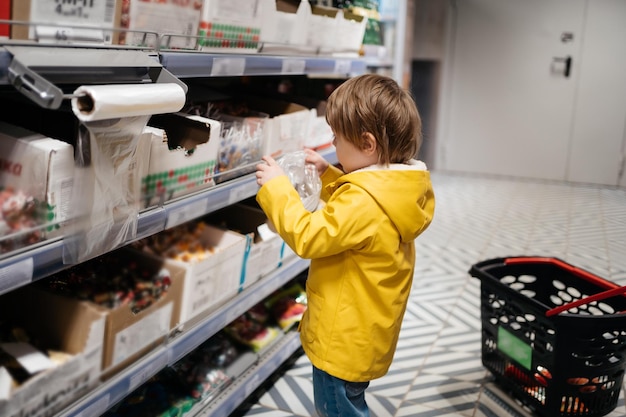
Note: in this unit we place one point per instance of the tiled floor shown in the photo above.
(437, 369)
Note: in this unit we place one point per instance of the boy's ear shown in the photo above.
(369, 143)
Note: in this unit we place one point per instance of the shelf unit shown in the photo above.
(38, 72)
(179, 345)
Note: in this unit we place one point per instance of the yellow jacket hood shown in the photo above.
(408, 207)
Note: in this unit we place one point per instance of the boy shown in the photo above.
(361, 243)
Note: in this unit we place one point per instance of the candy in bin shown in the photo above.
(241, 147)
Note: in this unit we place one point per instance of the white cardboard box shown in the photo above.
(320, 134)
(77, 330)
(287, 128)
(87, 21)
(176, 172)
(176, 21)
(41, 167)
(284, 26)
(296, 26)
(335, 31)
(215, 279)
(263, 246)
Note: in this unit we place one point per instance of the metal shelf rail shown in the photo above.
(241, 388)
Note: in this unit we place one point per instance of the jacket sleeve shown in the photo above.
(347, 220)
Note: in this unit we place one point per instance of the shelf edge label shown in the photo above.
(186, 213)
(228, 66)
(16, 274)
(293, 66)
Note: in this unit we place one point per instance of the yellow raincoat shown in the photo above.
(361, 246)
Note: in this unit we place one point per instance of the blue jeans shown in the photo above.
(335, 397)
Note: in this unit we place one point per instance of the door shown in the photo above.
(516, 99)
(598, 144)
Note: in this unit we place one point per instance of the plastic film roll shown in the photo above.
(102, 102)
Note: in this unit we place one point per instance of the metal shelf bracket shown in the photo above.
(37, 71)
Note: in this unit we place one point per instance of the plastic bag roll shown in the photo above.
(101, 102)
(113, 157)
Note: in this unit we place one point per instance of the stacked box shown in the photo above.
(87, 21)
(183, 156)
(263, 246)
(137, 294)
(36, 183)
(284, 23)
(230, 26)
(211, 259)
(76, 330)
(336, 31)
(287, 128)
(176, 21)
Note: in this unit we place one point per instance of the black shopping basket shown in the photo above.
(553, 335)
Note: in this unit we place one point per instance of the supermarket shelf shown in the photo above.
(192, 64)
(46, 259)
(241, 388)
(42, 65)
(119, 386)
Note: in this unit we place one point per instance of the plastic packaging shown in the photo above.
(304, 178)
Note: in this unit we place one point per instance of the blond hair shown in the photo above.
(376, 104)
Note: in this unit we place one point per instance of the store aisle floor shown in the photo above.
(437, 369)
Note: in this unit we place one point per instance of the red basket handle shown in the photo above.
(612, 288)
(586, 300)
(563, 265)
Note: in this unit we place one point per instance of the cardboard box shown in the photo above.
(230, 26)
(263, 246)
(336, 31)
(129, 335)
(215, 279)
(87, 21)
(73, 328)
(295, 26)
(285, 252)
(287, 128)
(179, 19)
(183, 156)
(320, 134)
(284, 25)
(41, 168)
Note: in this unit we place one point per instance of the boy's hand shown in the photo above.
(316, 159)
(267, 170)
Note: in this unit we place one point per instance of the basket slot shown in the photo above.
(563, 265)
(586, 300)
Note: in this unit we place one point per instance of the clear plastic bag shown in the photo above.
(303, 176)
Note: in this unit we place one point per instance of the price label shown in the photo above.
(293, 66)
(16, 274)
(46, 34)
(228, 66)
(186, 213)
(99, 407)
(242, 192)
(145, 374)
(252, 384)
(343, 66)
